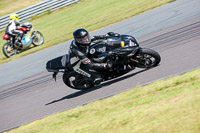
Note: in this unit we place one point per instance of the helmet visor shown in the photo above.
(16, 18)
(84, 40)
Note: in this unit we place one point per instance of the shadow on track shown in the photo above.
(82, 92)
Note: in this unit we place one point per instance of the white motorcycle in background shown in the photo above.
(31, 36)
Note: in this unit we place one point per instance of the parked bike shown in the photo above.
(124, 58)
(31, 36)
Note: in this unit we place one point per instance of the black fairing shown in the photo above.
(101, 49)
(127, 38)
(98, 50)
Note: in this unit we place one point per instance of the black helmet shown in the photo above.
(82, 37)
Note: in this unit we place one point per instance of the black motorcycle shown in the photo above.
(122, 50)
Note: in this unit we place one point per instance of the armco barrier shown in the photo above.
(27, 13)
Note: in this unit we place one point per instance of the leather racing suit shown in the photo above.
(12, 29)
(82, 64)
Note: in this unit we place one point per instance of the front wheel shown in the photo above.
(147, 58)
(9, 50)
(37, 38)
(77, 81)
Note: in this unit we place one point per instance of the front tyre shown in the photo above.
(76, 81)
(147, 58)
(9, 50)
(37, 38)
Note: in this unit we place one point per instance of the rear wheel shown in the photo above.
(147, 58)
(37, 38)
(9, 50)
(77, 81)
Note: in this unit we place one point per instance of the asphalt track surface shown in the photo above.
(173, 30)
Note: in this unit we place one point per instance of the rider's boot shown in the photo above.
(97, 81)
(130, 67)
(18, 42)
(97, 78)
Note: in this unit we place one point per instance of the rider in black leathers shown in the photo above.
(78, 56)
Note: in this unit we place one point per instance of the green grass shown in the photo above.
(58, 26)
(166, 106)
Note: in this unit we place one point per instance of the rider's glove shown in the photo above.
(113, 34)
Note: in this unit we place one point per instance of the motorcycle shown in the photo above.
(125, 56)
(31, 36)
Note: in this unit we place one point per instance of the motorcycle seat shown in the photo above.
(57, 64)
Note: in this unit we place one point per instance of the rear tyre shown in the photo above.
(37, 38)
(75, 81)
(147, 58)
(9, 50)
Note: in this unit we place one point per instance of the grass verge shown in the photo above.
(58, 26)
(166, 106)
(10, 6)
